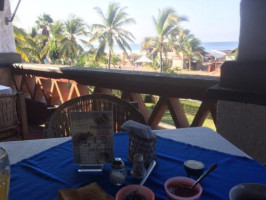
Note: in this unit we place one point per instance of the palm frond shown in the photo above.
(96, 27)
(122, 45)
(113, 9)
(126, 22)
(100, 50)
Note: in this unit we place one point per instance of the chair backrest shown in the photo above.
(13, 117)
(8, 116)
(58, 125)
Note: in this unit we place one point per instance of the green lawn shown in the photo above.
(190, 108)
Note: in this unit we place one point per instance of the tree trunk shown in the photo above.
(109, 58)
(189, 64)
(161, 59)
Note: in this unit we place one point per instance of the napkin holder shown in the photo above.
(141, 140)
(147, 147)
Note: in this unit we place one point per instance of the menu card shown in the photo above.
(92, 137)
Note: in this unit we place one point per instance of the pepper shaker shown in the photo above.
(138, 169)
(118, 172)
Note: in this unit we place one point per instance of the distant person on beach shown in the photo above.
(119, 67)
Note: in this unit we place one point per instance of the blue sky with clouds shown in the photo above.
(209, 20)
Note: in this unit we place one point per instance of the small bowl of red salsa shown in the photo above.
(129, 193)
(177, 188)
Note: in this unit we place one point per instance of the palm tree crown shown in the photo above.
(111, 31)
(20, 39)
(74, 29)
(44, 22)
(189, 45)
(166, 24)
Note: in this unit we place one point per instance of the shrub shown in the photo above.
(148, 98)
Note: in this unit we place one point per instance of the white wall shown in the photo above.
(7, 42)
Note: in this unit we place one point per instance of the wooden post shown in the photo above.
(22, 114)
(206, 107)
(178, 114)
(141, 105)
(158, 113)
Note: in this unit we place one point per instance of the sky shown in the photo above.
(209, 20)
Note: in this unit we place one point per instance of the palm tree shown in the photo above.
(74, 28)
(34, 47)
(53, 45)
(44, 22)
(30, 46)
(111, 30)
(20, 39)
(167, 24)
(189, 45)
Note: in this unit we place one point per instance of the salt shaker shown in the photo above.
(118, 172)
(138, 169)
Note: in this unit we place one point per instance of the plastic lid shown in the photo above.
(118, 163)
(194, 164)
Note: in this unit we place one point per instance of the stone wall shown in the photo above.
(244, 125)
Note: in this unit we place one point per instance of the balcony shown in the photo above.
(47, 86)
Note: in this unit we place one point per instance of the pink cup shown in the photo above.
(182, 181)
(123, 192)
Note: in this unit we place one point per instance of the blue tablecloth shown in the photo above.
(41, 176)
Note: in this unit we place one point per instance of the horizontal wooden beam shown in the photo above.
(167, 85)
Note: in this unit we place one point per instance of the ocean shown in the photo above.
(219, 45)
(207, 46)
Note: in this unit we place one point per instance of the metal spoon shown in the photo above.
(152, 165)
(211, 168)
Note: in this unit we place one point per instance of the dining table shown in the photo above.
(40, 168)
(5, 90)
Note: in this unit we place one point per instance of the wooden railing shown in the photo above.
(51, 85)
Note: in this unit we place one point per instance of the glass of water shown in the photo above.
(4, 174)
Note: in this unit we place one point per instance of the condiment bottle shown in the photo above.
(138, 169)
(118, 172)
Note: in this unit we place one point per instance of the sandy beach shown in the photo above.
(149, 69)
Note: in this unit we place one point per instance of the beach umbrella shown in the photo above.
(143, 59)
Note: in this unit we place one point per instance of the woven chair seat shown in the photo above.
(58, 125)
